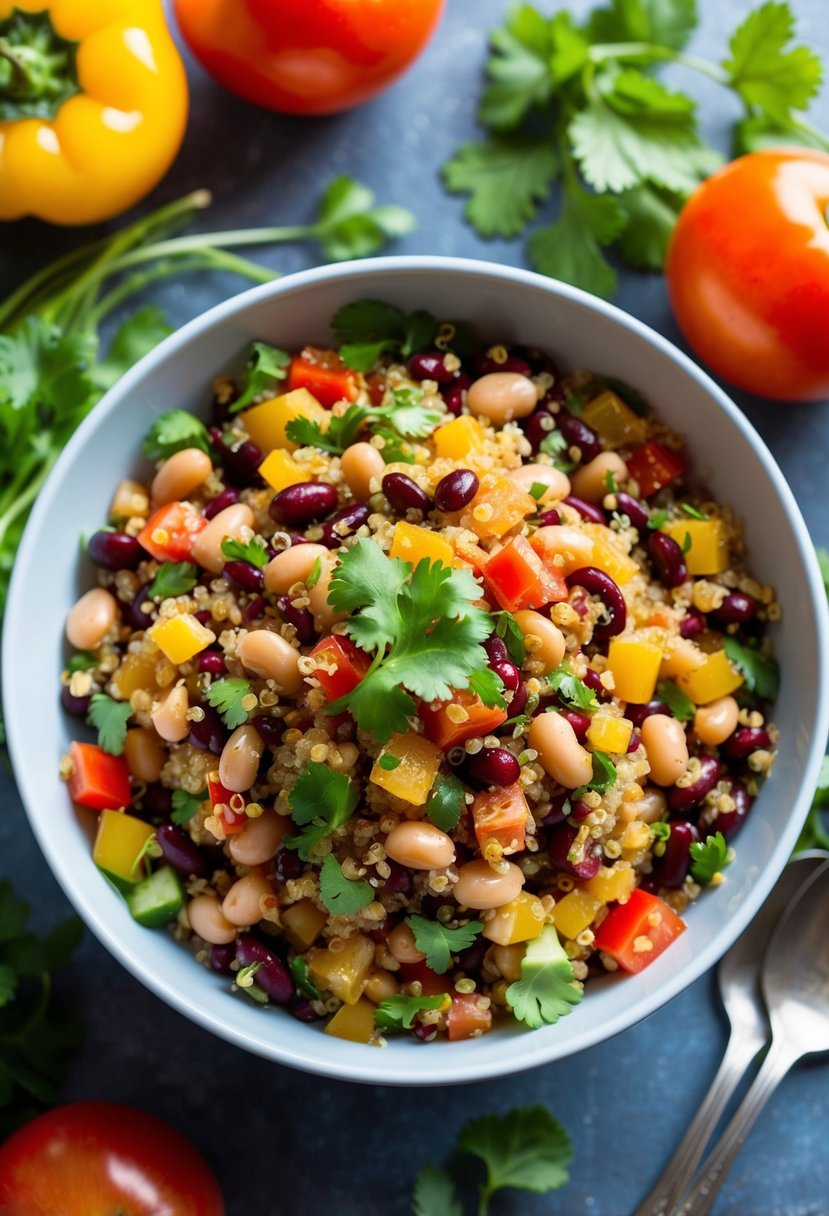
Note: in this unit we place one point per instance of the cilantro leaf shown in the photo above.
(406, 414)
(81, 661)
(136, 337)
(172, 579)
(439, 943)
(761, 674)
(321, 801)
(651, 215)
(446, 803)
(398, 1012)
(489, 686)
(266, 366)
(666, 22)
(172, 431)
(343, 896)
(570, 248)
(571, 690)
(604, 773)
(768, 76)
(434, 1194)
(254, 551)
(341, 432)
(545, 991)
(298, 967)
(185, 805)
(110, 720)
(226, 696)
(709, 857)
(482, 170)
(518, 68)
(681, 707)
(506, 628)
(370, 328)
(524, 1149)
(349, 225)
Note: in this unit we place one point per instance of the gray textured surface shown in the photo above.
(282, 1142)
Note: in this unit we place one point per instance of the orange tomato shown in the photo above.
(748, 273)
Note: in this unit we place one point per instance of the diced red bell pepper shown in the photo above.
(518, 578)
(654, 466)
(98, 780)
(345, 666)
(231, 820)
(168, 534)
(431, 984)
(466, 1019)
(480, 719)
(501, 815)
(636, 933)
(324, 375)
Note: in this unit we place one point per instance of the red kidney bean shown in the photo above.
(668, 559)
(179, 851)
(209, 734)
(549, 519)
(350, 519)
(484, 364)
(471, 959)
(300, 618)
(692, 624)
(240, 462)
(634, 743)
(561, 841)
(579, 811)
(456, 490)
(683, 800)
(736, 609)
(287, 865)
(519, 700)
(594, 682)
(134, 615)
(273, 976)
(221, 957)
(429, 365)
(493, 766)
(496, 649)
(227, 498)
(78, 707)
(587, 510)
(597, 582)
(157, 801)
(300, 1007)
(509, 673)
(744, 741)
(404, 495)
(636, 511)
(399, 880)
(637, 713)
(558, 810)
(212, 661)
(244, 575)
(539, 361)
(454, 395)
(538, 426)
(579, 434)
(579, 722)
(270, 729)
(671, 868)
(255, 608)
(303, 503)
(380, 933)
(115, 550)
(730, 822)
(203, 617)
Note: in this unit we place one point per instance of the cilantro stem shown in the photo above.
(24, 500)
(652, 50)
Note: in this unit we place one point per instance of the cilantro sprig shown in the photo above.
(446, 803)
(173, 431)
(709, 857)
(343, 896)
(227, 696)
(172, 579)
(403, 417)
(761, 674)
(266, 366)
(185, 806)
(399, 1012)
(682, 708)
(371, 328)
(254, 551)
(546, 991)
(110, 719)
(321, 801)
(572, 691)
(439, 942)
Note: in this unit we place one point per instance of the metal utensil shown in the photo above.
(739, 983)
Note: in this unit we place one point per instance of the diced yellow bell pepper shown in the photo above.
(573, 913)
(118, 844)
(280, 471)
(611, 884)
(130, 499)
(635, 669)
(608, 734)
(608, 556)
(412, 543)
(708, 552)
(342, 972)
(521, 920)
(681, 658)
(616, 422)
(497, 507)
(266, 423)
(134, 672)
(715, 678)
(414, 776)
(636, 836)
(303, 923)
(181, 637)
(458, 438)
(353, 1022)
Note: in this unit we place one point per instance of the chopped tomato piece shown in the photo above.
(636, 933)
(431, 984)
(466, 1019)
(480, 719)
(324, 375)
(344, 666)
(227, 806)
(98, 780)
(654, 466)
(518, 578)
(168, 534)
(501, 815)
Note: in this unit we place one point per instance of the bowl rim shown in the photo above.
(518, 1051)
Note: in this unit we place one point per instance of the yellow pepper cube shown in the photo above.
(412, 543)
(135, 671)
(635, 669)
(343, 972)
(118, 844)
(715, 678)
(608, 556)
(266, 423)
(303, 923)
(414, 776)
(636, 836)
(608, 734)
(181, 637)
(575, 912)
(280, 471)
(708, 551)
(353, 1022)
(521, 920)
(612, 884)
(130, 499)
(459, 438)
(497, 507)
(616, 422)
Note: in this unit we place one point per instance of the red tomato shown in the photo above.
(748, 273)
(439, 728)
(98, 780)
(654, 466)
(466, 1019)
(518, 578)
(307, 56)
(169, 533)
(325, 376)
(345, 666)
(97, 1158)
(637, 932)
(501, 815)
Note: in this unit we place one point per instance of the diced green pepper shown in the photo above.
(156, 900)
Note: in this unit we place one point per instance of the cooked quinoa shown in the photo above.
(424, 693)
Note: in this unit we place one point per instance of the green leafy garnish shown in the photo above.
(173, 431)
(254, 551)
(434, 1194)
(658, 519)
(446, 803)
(81, 661)
(572, 691)
(314, 576)
(813, 834)
(610, 482)
(404, 417)
(604, 774)
(321, 801)
(389, 762)
(439, 943)
(266, 366)
(422, 627)
(371, 328)
(185, 805)
(172, 579)
(350, 224)
(546, 991)
(693, 512)
(761, 674)
(506, 628)
(299, 970)
(343, 896)
(538, 490)
(709, 857)
(110, 720)
(682, 708)
(136, 337)
(342, 430)
(398, 1012)
(227, 696)
(526, 1150)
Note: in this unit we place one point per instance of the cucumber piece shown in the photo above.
(156, 900)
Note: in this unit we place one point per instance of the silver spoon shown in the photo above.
(739, 982)
(795, 985)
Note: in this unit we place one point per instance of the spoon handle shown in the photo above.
(670, 1187)
(703, 1194)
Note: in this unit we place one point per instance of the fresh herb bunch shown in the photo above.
(582, 104)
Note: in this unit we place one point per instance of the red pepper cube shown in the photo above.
(231, 817)
(654, 466)
(517, 578)
(440, 728)
(636, 933)
(501, 815)
(98, 780)
(466, 1018)
(169, 533)
(324, 375)
(340, 666)
(431, 984)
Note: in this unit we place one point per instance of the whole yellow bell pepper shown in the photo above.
(93, 106)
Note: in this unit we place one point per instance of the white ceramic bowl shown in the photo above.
(503, 304)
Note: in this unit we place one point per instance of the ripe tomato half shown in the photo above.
(748, 273)
(307, 56)
(99, 1158)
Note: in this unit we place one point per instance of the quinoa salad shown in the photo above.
(428, 681)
